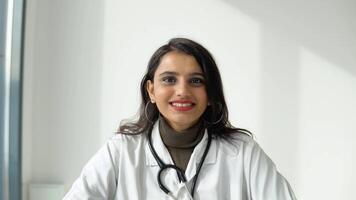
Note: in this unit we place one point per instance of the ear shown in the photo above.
(150, 90)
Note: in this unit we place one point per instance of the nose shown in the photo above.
(182, 89)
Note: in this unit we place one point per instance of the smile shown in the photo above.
(182, 106)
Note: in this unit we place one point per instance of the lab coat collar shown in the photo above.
(195, 158)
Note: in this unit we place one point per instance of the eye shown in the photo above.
(197, 81)
(169, 80)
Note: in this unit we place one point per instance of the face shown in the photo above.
(178, 89)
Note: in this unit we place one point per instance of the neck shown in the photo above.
(185, 138)
(181, 128)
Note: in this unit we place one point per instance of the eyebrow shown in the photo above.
(175, 73)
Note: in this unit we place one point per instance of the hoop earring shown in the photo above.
(146, 115)
(221, 117)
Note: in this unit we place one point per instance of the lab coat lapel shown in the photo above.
(197, 155)
(160, 148)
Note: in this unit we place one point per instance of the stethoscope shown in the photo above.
(181, 175)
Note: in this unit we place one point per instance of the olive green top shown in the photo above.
(180, 144)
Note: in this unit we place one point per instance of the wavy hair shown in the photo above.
(215, 117)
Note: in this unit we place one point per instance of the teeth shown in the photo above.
(182, 104)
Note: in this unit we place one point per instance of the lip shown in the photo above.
(182, 101)
(182, 108)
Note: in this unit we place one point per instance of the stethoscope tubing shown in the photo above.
(180, 173)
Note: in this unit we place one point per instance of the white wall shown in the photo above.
(288, 69)
(62, 87)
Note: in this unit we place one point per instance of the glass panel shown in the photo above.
(11, 32)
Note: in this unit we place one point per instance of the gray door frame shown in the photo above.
(11, 62)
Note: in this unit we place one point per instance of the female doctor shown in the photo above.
(182, 146)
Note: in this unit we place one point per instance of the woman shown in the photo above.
(183, 145)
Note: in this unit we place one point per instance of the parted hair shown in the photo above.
(215, 117)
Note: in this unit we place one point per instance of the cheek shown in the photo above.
(162, 94)
(202, 95)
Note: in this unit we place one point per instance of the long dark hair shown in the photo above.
(215, 117)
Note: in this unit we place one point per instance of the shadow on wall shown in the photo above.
(327, 28)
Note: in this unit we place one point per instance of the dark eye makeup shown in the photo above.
(170, 79)
(197, 81)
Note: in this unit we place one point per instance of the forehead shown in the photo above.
(178, 62)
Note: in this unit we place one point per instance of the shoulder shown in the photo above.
(246, 148)
(237, 144)
(125, 141)
(120, 138)
(252, 153)
(109, 155)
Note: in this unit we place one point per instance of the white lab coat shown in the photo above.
(124, 169)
